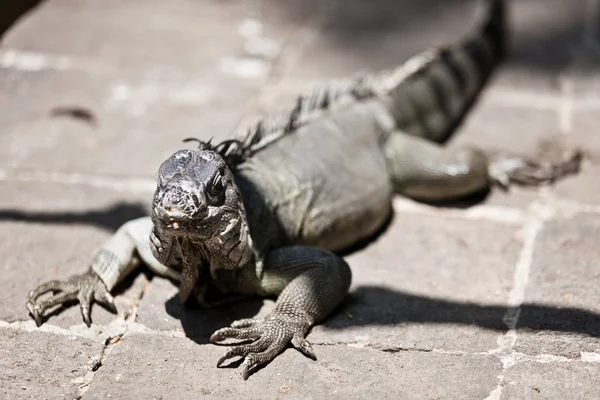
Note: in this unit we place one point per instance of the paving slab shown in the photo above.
(585, 186)
(51, 231)
(138, 34)
(561, 313)
(505, 127)
(356, 39)
(139, 120)
(184, 69)
(426, 314)
(405, 295)
(48, 367)
(159, 366)
(545, 36)
(556, 380)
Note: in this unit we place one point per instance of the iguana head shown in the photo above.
(195, 195)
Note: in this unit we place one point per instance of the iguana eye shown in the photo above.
(215, 190)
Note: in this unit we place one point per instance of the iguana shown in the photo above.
(268, 214)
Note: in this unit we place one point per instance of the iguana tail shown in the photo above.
(433, 101)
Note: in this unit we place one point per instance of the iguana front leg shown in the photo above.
(310, 283)
(85, 288)
(113, 262)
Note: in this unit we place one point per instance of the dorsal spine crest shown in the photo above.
(309, 107)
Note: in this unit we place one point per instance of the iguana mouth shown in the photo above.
(188, 225)
(181, 225)
(175, 225)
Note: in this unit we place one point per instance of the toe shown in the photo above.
(34, 313)
(304, 346)
(245, 323)
(52, 286)
(255, 359)
(85, 304)
(235, 333)
(103, 297)
(243, 350)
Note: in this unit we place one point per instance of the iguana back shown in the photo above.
(323, 169)
(327, 184)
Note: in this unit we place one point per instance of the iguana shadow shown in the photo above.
(198, 323)
(376, 305)
(379, 306)
(109, 218)
(369, 305)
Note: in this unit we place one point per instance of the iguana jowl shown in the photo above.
(267, 214)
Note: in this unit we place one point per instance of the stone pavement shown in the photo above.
(495, 301)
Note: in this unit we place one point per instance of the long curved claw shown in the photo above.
(34, 313)
(243, 350)
(85, 288)
(246, 322)
(303, 346)
(103, 297)
(254, 360)
(85, 304)
(62, 292)
(273, 334)
(235, 333)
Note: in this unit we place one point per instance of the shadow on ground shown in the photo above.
(356, 26)
(199, 323)
(379, 306)
(369, 305)
(109, 219)
(375, 305)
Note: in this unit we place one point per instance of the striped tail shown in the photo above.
(433, 103)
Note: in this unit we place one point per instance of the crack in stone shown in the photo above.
(398, 349)
(112, 340)
(98, 362)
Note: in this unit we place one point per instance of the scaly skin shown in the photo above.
(266, 215)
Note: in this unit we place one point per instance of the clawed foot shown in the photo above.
(270, 336)
(553, 161)
(85, 288)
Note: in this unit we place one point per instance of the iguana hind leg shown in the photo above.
(310, 283)
(426, 171)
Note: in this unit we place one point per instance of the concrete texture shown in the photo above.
(494, 301)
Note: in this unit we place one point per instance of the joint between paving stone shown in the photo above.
(540, 211)
(565, 107)
(35, 61)
(107, 346)
(288, 56)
